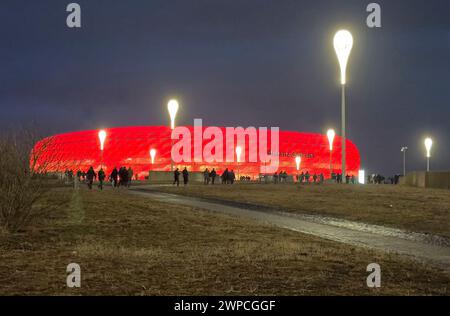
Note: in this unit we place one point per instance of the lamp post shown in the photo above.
(404, 150)
(343, 44)
(331, 134)
(238, 156)
(102, 138)
(428, 145)
(152, 155)
(298, 161)
(172, 107)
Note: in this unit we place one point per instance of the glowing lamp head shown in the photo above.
(298, 161)
(331, 134)
(238, 153)
(428, 145)
(172, 106)
(343, 44)
(153, 155)
(102, 138)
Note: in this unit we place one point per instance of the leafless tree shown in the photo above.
(23, 176)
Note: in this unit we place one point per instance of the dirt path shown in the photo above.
(438, 255)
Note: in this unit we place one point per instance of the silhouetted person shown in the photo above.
(123, 177)
(206, 176)
(231, 177)
(176, 177)
(307, 176)
(101, 178)
(90, 176)
(321, 178)
(113, 176)
(224, 176)
(130, 176)
(185, 176)
(213, 175)
(275, 178)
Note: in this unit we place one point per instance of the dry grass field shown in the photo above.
(413, 209)
(130, 245)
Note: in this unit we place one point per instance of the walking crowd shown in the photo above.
(209, 177)
(305, 178)
(121, 177)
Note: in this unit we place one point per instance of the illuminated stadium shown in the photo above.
(130, 147)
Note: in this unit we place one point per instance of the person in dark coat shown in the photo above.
(213, 176)
(113, 176)
(176, 177)
(185, 176)
(123, 176)
(79, 173)
(101, 178)
(225, 176)
(275, 178)
(130, 176)
(90, 176)
(206, 176)
(231, 177)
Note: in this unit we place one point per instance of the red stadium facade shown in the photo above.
(130, 147)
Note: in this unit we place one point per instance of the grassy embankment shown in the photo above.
(131, 245)
(413, 209)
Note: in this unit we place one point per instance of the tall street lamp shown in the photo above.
(102, 138)
(331, 134)
(152, 155)
(298, 161)
(238, 156)
(173, 107)
(343, 44)
(428, 145)
(404, 150)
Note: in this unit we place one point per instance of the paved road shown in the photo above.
(437, 255)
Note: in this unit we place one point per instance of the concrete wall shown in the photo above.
(423, 179)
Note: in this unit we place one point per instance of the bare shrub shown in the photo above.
(22, 182)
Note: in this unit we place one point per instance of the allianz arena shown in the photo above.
(130, 147)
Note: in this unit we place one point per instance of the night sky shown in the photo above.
(233, 63)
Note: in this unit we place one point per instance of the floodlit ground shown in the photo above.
(413, 209)
(127, 244)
